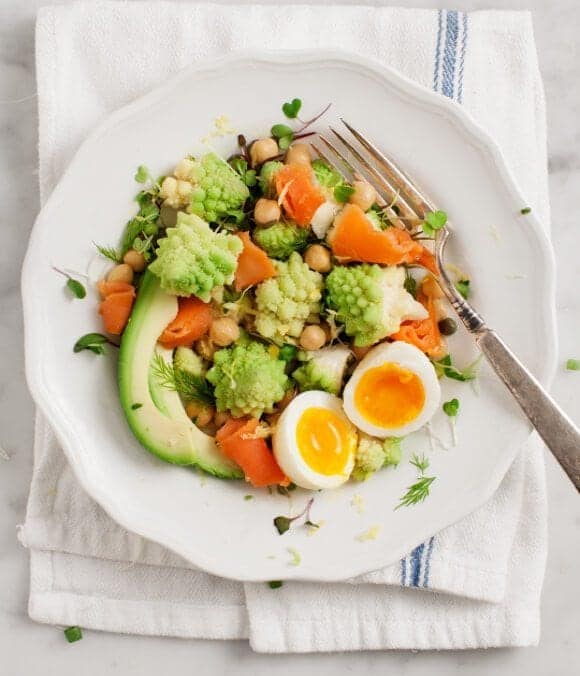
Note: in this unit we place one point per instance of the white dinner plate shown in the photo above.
(207, 520)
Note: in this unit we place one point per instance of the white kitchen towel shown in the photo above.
(478, 581)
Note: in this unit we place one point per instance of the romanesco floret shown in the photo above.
(185, 359)
(326, 176)
(323, 369)
(372, 454)
(279, 240)
(193, 260)
(371, 301)
(286, 301)
(248, 380)
(218, 191)
(266, 178)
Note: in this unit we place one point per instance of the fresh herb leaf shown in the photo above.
(109, 252)
(343, 192)
(462, 285)
(311, 524)
(95, 342)
(292, 108)
(73, 285)
(288, 353)
(240, 165)
(434, 220)
(76, 288)
(421, 463)
(525, 211)
(283, 523)
(444, 367)
(73, 634)
(248, 497)
(285, 141)
(451, 407)
(281, 130)
(410, 284)
(135, 407)
(573, 365)
(142, 174)
(417, 492)
(275, 584)
(190, 386)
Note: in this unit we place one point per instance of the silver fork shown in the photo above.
(366, 161)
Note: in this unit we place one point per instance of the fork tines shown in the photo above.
(405, 202)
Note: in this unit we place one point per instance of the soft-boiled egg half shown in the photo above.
(314, 442)
(393, 391)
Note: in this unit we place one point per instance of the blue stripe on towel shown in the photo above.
(450, 54)
(438, 51)
(428, 562)
(415, 565)
(464, 25)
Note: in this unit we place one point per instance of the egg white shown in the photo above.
(406, 356)
(286, 449)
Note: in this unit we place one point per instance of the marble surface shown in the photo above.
(30, 649)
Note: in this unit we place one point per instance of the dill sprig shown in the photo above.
(418, 491)
(190, 386)
(109, 252)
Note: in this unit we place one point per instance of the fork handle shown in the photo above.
(560, 434)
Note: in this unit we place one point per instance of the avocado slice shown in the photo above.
(155, 414)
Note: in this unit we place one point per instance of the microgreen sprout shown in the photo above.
(72, 284)
(283, 523)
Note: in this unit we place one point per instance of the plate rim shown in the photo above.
(454, 113)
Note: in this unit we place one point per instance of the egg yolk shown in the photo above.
(389, 396)
(325, 440)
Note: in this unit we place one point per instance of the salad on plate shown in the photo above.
(276, 324)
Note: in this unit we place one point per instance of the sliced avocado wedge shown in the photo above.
(155, 414)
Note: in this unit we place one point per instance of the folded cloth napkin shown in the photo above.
(478, 581)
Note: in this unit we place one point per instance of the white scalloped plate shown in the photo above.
(207, 521)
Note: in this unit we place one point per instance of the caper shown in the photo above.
(447, 326)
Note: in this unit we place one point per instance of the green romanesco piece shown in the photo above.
(285, 302)
(370, 301)
(266, 177)
(326, 176)
(322, 369)
(218, 191)
(248, 380)
(185, 359)
(279, 240)
(372, 454)
(192, 259)
(393, 450)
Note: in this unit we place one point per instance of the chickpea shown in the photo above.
(205, 348)
(204, 417)
(313, 337)
(220, 418)
(360, 352)
(266, 211)
(431, 288)
(262, 150)
(135, 259)
(298, 153)
(317, 257)
(121, 273)
(224, 331)
(194, 408)
(364, 195)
